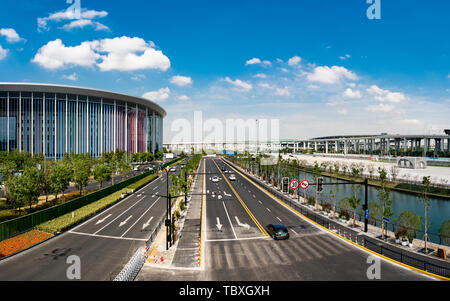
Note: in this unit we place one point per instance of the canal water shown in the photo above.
(438, 212)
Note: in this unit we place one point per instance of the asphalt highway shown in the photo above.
(104, 243)
(242, 249)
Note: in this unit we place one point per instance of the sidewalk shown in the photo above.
(185, 252)
(369, 240)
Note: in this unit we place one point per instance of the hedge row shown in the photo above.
(66, 221)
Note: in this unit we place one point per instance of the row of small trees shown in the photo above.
(27, 177)
(378, 210)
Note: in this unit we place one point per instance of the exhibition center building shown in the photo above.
(55, 119)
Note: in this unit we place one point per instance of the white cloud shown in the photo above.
(72, 76)
(256, 61)
(69, 15)
(313, 87)
(342, 112)
(158, 95)
(385, 95)
(265, 85)
(411, 121)
(260, 75)
(3, 53)
(181, 80)
(55, 55)
(380, 108)
(294, 60)
(183, 97)
(124, 54)
(333, 75)
(10, 34)
(253, 61)
(351, 94)
(240, 85)
(282, 91)
(344, 57)
(83, 23)
(139, 77)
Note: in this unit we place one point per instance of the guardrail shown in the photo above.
(415, 260)
(132, 268)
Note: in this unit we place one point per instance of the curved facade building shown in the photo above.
(55, 119)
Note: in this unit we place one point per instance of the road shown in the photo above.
(104, 243)
(238, 248)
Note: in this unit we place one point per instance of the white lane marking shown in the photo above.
(247, 226)
(232, 228)
(119, 202)
(125, 221)
(146, 224)
(268, 209)
(293, 231)
(235, 239)
(103, 219)
(118, 216)
(278, 219)
(218, 225)
(155, 188)
(106, 236)
(260, 202)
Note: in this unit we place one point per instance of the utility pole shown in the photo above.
(366, 205)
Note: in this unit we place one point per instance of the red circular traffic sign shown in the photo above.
(304, 184)
(293, 184)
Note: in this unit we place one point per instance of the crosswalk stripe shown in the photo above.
(268, 253)
(301, 250)
(307, 246)
(218, 256)
(336, 244)
(251, 257)
(317, 244)
(280, 253)
(325, 246)
(240, 256)
(292, 253)
(229, 260)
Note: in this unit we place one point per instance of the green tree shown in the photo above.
(30, 182)
(14, 196)
(102, 173)
(444, 232)
(384, 195)
(60, 176)
(411, 221)
(81, 173)
(425, 199)
(159, 155)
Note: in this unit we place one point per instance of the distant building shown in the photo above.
(55, 119)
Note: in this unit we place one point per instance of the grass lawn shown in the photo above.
(68, 220)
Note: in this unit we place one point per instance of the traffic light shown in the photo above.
(319, 186)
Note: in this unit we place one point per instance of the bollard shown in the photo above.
(329, 226)
(350, 236)
(339, 230)
(362, 242)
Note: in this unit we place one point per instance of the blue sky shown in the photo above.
(320, 67)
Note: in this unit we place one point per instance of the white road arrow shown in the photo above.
(242, 225)
(226, 194)
(102, 220)
(147, 223)
(125, 221)
(219, 225)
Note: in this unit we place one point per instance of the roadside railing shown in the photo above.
(418, 261)
(132, 268)
(23, 223)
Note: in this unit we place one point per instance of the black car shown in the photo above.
(278, 231)
(223, 168)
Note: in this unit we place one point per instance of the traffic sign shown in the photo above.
(294, 184)
(367, 213)
(304, 184)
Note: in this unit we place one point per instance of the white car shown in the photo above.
(232, 178)
(215, 179)
(173, 169)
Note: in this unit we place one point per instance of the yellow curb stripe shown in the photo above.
(263, 231)
(337, 235)
(201, 230)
